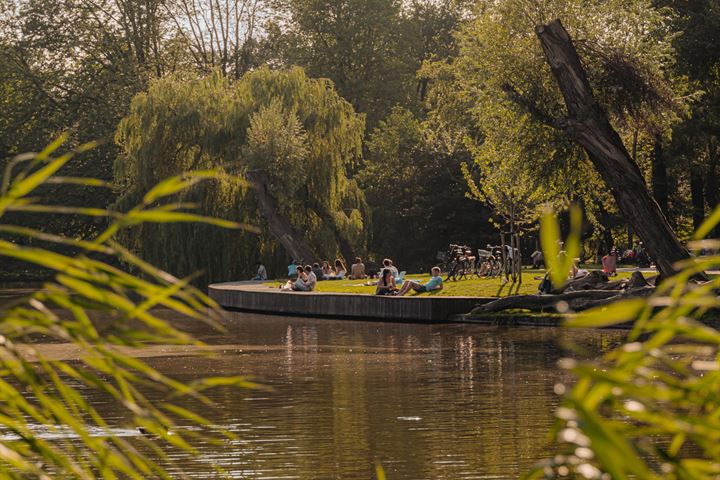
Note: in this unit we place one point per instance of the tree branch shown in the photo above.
(533, 109)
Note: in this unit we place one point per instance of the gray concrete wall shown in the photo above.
(261, 298)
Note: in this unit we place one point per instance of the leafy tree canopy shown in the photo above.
(500, 99)
(298, 132)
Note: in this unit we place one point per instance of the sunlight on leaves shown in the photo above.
(647, 409)
(41, 394)
(559, 255)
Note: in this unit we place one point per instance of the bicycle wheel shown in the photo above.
(480, 268)
(484, 270)
(497, 268)
(457, 272)
(461, 271)
(451, 271)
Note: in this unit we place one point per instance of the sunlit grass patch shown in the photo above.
(472, 287)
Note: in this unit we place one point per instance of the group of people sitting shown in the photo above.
(386, 283)
(305, 278)
(326, 272)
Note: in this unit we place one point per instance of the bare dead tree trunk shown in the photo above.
(293, 241)
(588, 125)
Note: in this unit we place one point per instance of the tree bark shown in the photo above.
(588, 125)
(575, 301)
(712, 188)
(697, 196)
(659, 175)
(606, 222)
(295, 244)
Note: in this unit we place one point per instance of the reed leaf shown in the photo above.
(37, 391)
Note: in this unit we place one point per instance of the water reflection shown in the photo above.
(427, 401)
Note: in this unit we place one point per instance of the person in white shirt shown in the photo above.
(311, 281)
(387, 263)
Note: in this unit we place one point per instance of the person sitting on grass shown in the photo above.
(340, 269)
(357, 270)
(261, 271)
(299, 284)
(311, 281)
(292, 268)
(318, 271)
(327, 270)
(387, 263)
(577, 272)
(609, 263)
(435, 283)
(386, 284)
(538, 259)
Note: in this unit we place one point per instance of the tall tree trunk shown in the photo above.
(295, 244)
(588, 125)
(659, 175)
(697, 195)
(630, 233)
(712, 189)
(606, 222)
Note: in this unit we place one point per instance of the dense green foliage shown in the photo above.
(42, 393)
(500, 75)
(457, 99)
(469, 75)
(370, 49)
(296, 130)
(414, 185)
(647, 409)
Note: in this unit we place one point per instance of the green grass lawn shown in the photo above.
(475, 287)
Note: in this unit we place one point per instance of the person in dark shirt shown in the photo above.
(317, 271)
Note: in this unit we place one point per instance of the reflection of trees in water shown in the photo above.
(428, 401)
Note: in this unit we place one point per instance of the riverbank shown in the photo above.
(259, 297)
(355, 299)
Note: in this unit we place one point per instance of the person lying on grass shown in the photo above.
(435, 283)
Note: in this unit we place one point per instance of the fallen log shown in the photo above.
(594, 280)
(597, 280)
(571, 301)
(642, 292)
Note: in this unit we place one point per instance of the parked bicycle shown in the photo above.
(459, 262)
(489, 262)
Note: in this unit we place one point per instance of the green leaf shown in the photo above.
(83, 181)
(613, 314)
(708, 225)
(23, 187)
(559, 265)
(162, 216)
(177, 184)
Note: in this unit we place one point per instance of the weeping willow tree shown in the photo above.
(285, 143)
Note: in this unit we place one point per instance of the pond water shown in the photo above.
(425, 401)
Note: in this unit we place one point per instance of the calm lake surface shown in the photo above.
(426, 401)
